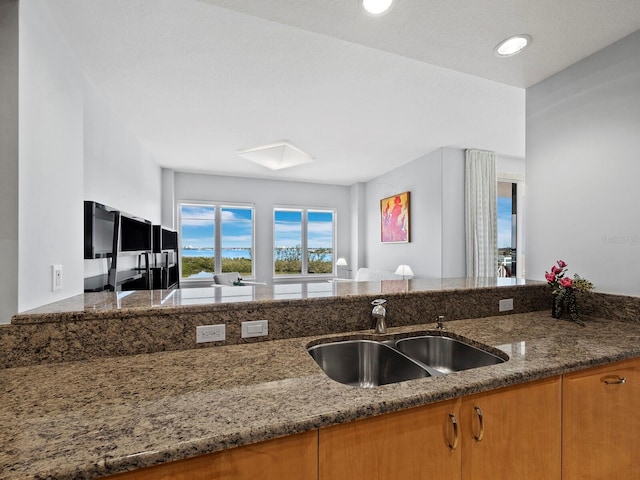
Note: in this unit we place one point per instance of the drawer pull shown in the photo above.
(454, 421)
(480, 435)
(614, 380)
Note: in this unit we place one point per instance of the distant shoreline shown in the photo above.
(226, 252)
(232, 252)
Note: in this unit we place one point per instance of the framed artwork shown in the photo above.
(394, 218)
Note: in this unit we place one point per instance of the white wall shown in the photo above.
(168, 210)
(436, 183)
(8, 159)
(118, 171)
(72, 147)
(266, 194)
(583, 167)
(358, 230)
(453, 224)
(510, 167)
(51, 161)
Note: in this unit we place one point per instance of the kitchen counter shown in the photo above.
(96, 417)
(97, 305)
(108, 324)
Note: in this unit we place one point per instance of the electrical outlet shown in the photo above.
(210, 333)
(56, 277)
(506, 304)
(255, 328)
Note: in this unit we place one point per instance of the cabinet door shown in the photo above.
(513, 432)
(294, 457)
(601, 423)
(410, 444)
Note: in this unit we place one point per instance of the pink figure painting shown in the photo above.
(394, 213)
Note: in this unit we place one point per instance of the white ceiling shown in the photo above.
(198, 80)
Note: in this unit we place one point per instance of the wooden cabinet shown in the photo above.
(410, 444)
(513, 432)
(503, 434)
(294, 457)
(601, 423)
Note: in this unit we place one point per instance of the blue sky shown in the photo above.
(198, 224)
(504, 222)
(288, 229)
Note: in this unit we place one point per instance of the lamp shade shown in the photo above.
(341, 262)
(404, 270)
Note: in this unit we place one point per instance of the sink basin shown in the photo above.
(369, 363)
(365, 363)
(446, 354)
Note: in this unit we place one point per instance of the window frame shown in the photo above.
(305, 275)
(217, 240)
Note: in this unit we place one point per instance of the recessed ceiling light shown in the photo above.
(376, 7)
(276, 156)
(512, 45)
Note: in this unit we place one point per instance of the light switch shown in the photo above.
(255, 328)
(56, 277)
(210, 333)
(505, 305)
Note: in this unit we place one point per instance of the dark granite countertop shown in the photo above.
(95, 417)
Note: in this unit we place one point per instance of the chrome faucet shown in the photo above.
(440, 322)
(379, 314)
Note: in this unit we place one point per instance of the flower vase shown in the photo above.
(565, 301)
(556, 306)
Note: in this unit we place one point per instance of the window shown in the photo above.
(303, 241)
(215, 239)
(507, 228)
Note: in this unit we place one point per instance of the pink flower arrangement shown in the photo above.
(556, 279)
(563, 289)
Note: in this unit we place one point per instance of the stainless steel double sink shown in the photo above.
(369, 363)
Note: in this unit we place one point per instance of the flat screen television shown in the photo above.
(164, 239)
(99, 230)
(135, 234)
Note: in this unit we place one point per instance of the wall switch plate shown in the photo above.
(210, 333)
(506, 304)
(255, 328)
(56, 277)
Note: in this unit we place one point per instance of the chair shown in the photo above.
(231, 278)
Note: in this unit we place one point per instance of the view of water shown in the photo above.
(321, 254)
(237, 253)
(226, 252)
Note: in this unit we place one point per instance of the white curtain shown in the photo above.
(481, 218)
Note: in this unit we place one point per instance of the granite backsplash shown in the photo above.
(61, 333)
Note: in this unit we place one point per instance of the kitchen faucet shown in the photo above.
(379, 314)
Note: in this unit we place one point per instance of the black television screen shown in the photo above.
(99, 230)
(164, 239)
(135, 234)
(169, 239)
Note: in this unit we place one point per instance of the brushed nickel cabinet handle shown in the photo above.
(614, 380)
(480, 435)
(454, 421)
